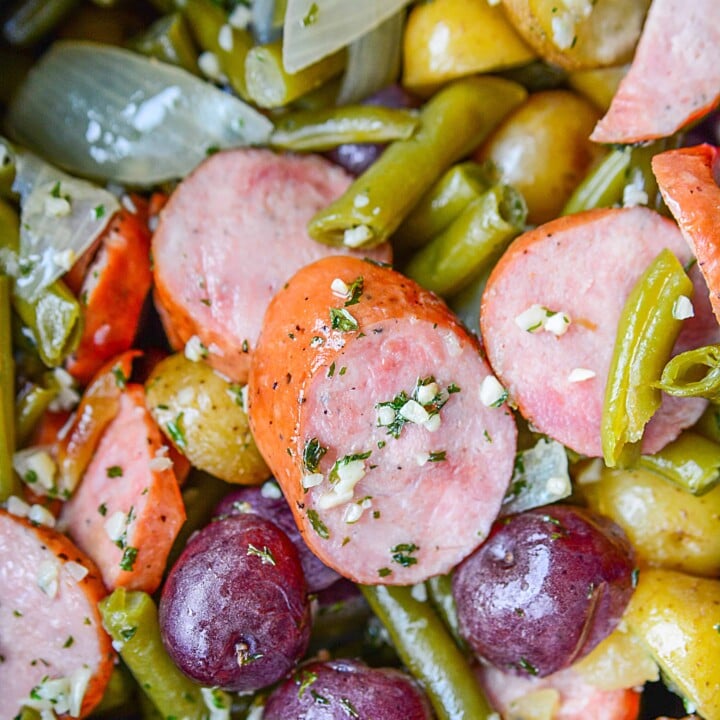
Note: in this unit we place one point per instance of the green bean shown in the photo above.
(450, 261)
(440, 592)
(27, 713)
(34, 19)
(442, 203)
(168, 39)
(119, 693)
(454, 121)
(645, 337)
(54, 316)
(31, 403)
(691, 462)
(131, 619)
(695, 373)
(709, 423)
(213, 33)
(318, 130)
(429, 652)
(9, 484)
(603, 185)
(270, 86)
(148, 711)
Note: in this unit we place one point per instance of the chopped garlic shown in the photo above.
(683, 308)
(580, 375)
(349, 475)
(217, 702)
(563, 31)
(240, 17)
(634, 192)
(361, 201)
(244, 399)
(68, 397)
(75, 570)
(531, 319)
(47, 577)
(419, 592)
(558, 486)
(492, 393)
(225, 38)
(129, 204)
(16, 506)
(160, 460)
(195, 350)
(35, 465)
(333, 499)
(426, 393)
(116, 525)
(557, 324)
(312, 480)
(270, 489)
(65, 259)
(355, 237)
(210, 66)
(42, 516)
(414, 412)
(339, 287)
(385, 416)
(57, 207)
(432, 423)
(353, 512)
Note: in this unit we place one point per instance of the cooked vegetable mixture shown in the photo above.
(360, 360)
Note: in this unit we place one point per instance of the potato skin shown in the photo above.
(677, 618)
(667, 526)
(206, 408)
(543, 149)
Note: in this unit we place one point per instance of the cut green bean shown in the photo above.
(455, 121)
(270, 86)
(131, 619)
(691, 462)
(695, 373)
(119, 693)
(228, 44)
(709, 423)
(35, 19)
(645, 337)
(450, 261)
(54, 316)
(9, 483)
(442, 203)
(31, 404)
(603, 186)
(318, 130)
(168, 39)
(440, 591)
(429, 652)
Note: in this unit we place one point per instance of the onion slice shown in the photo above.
(313, 30)
(107, 113)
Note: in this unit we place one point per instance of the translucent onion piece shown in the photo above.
(108, 113)
(540, 477)
(60, 218)
(313, 30)
(373, 61)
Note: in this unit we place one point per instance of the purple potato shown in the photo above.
(342, 689)
(544, 589)
(356, 158)
(234, 611)
(251, 499)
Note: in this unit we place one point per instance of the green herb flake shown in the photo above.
(69, 642)
(56, 192)
(452, 388)
(176, 432)
(30, 477)
(128, 633)
(331, 370)
(343, 370)
(245, 346)
(99, 212)
(486, 435)
(317, 524)
(265, 555)
(313, 453)
(438, 456)
(342, 320)
(384, 572)
(306, 679)
(355, 291)
(128, 559)
(119, 375)
(347, 706)
(527, 666)
(634, 576)
(17, 613)
(114, 471)
(334, 475)
(319, 699)
(402, 554)
(312, 16)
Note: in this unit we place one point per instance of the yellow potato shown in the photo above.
(447, 39)
(579, 34)
(203, 416)
(668, 526)
(598, 86)
(543, 150)
(677, 618)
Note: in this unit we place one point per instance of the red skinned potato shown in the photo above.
(49, 592)
(674, 78)
(364, 399)
(228, 238)
(583, 265)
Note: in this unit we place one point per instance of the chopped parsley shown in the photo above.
(119, 375)
(99, 212)
(114, 471)
(347, 706)
(128, 633)
(319, 699)
(313, 453)
(331, 370)
(402, 554)
(176, 432)
(69, 642)
(265, 555)
(334, 475)
(318, 525)
(128, 558)
(306, 679)
(355, 291)
(527, 666)
(102, 509)
(384, 572)
(312, 16)
(341, 319)
(438, 456)
(634, 577)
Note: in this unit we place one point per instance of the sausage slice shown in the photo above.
(231, 234)
(584, 266)
(365, 401)
(49, 623)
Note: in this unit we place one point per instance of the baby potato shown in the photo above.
(677, 618)
(667, 526)
(543, 149)
(202, 414)
(579, 34)
(599, 86)
(447, 39)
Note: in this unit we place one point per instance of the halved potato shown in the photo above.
(579, 34)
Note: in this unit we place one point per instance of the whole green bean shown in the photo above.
(429, 652)
(695, 373)
(35, 19)
(213, 33)
(442, 203)
(9, 484)
(269, 85)
(691, 462)
(645, 337)
(318, 130)
(54, 316)
(453, 122)
(32, 401)
(603, 185)
(475, 239)
(131, 619)
(168, 39)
